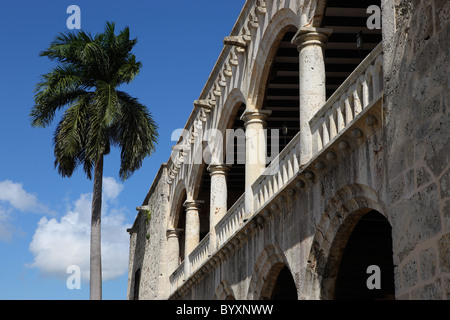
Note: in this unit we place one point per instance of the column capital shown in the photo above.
(306, 36)
(255, 116)
(173, 233)
(219, 169)
(193, 204)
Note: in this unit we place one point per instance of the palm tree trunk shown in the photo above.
(95, 250)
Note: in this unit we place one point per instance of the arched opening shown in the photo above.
(180, 225)
(282, 91)
(348, 19)
(279, 284)
(137, 283)
(284, 288)
(235, 159)
(204, 193)
(370, 244)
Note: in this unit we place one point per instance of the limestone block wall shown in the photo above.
(299, 232)
(417, 147)
(402, 171)
(148, 242)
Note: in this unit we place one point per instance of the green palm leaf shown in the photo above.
(96, 115)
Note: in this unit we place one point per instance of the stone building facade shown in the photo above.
(356, 203)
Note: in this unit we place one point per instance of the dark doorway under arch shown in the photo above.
(369, 244)
(180, 225)
(284, 288)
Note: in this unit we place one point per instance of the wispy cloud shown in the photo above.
(13, 198)
(59, 243)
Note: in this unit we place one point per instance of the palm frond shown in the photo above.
(85, 81)
(70, 137)
(136, 132)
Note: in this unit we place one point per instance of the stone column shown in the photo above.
(310, 44)
(218, 199)
(255, 151)
(192, 231)
(173, 250)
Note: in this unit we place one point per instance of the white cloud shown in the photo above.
(111, 188)
(58, 244)
(13, 198)
(15, 195)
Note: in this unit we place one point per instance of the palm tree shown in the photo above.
(97, 115)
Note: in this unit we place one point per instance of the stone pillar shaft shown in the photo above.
(218, 200)
(192, 230)
(173, 250)
(255, 151)
(310, 44)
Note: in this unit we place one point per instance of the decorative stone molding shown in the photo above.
(261, 7)
(203, 104)
(237, 41)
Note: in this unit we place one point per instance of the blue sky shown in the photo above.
(43, 217)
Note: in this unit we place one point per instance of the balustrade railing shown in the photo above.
(278, 173)
(231, 222)
(357, 92)
(177, 278)
(362, 88)
(200, 254)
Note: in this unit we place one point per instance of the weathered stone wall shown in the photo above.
(297, 221)
(148, 241)
(402, 171)
(417, 147)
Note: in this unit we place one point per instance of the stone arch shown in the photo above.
(177, 202)
(265, 273)
(195, 179)
(342, 213)
(314, 14)
(224, 118)
(282, 21)
(229, 109)
(224, 291)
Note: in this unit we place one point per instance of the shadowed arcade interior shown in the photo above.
(370, 244)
